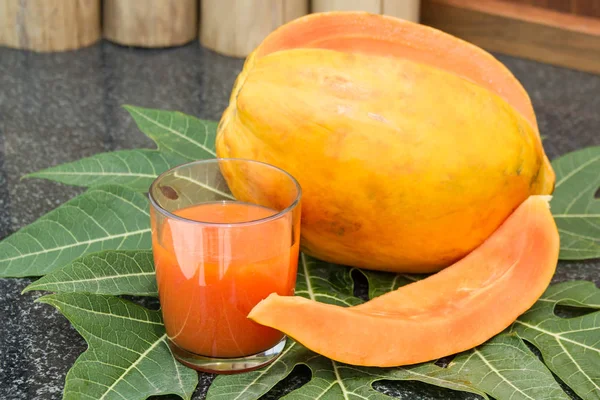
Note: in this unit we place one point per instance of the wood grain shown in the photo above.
(150, 23)
(372, 6)
(521, 30)
(49, 25)
(586, 8)
(406, 9)
(236, 27)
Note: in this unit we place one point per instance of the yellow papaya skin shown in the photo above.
(404, 167)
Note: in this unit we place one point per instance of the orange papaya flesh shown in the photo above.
(452, 311)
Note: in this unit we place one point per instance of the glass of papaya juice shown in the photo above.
(225, 235)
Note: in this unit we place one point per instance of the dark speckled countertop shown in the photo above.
(56, 108)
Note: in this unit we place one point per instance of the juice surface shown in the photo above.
(210, 277)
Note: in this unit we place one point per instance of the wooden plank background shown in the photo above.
(560, 32)
(587, 8)
(523, 30)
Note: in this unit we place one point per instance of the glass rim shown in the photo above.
(273, 217)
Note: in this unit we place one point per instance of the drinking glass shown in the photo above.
(225, 234)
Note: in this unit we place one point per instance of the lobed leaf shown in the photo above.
(127, 356)
(332, 381)
(325, 282)
(582, 294)
(384, 282)
(504, 367)
(180, 138)
(135, 169)
(177, 133)
(193, 184)
(107, 272)
(252, 385)
(570, 347)
(102, 218)
(574, 205)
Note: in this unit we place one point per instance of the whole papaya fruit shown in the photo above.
(411, 146)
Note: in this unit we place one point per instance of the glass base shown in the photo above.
(227, 365)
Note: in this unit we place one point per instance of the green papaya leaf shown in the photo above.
(316, 280)
(108, 272)
(570, 347)
(194, 183)
(100, 240)
(179, 137)
(583, 294)
(332, 381)
(252, 385)
(384, 282)
(102, 218)
(319, 281)
(574, 205)
(329, 379)
(135, 169)
(503, 367)
(325, 282)
(177, 133)
(127, 356)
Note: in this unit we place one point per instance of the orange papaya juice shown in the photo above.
(213, 265)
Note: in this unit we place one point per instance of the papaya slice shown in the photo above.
(449, 312)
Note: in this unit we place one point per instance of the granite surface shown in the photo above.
(56, 108)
